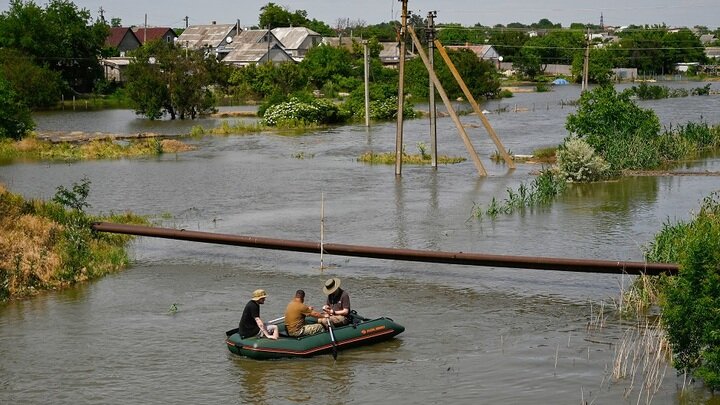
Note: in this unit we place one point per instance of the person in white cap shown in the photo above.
(250, 323)
(337, 304)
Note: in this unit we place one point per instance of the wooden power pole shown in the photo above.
(433, 110)
(401, 91)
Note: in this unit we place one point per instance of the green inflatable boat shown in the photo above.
(361, 331)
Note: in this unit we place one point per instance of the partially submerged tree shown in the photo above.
(165, 79)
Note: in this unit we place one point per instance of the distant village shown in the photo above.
(239, 46)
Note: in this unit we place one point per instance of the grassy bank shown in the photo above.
(689, 300)
(48, 245)
(36, 149)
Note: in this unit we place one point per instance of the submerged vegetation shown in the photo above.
(609, 135)
(33, 148)
(542, 191)
(422, 158)
(49, 245)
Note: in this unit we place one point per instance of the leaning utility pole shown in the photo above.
(401, 90)
(433, 110)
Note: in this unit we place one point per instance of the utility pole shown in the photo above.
(366, 64)
(268, 41)
(102, 15)
(401, 90)
(145, 31)
(586, 62)
(433, 110)
(186, 21)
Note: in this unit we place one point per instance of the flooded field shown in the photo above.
(473, 334)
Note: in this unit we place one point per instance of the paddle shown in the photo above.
(332, 339)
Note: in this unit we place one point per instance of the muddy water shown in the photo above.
(487, 335)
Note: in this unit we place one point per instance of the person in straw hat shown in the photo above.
(337, 304)
(250, 323)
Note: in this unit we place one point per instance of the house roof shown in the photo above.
(707, 38)
(293, 37)
(199, 36)
(482, 51)
(712, 52)
(152, 33)
(117, 34)
(251, 53)
(247, 37)
(335, 42)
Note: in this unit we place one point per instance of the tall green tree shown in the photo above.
(479, 76)
(274, 16)
(656, 50)
(38, 86)
(600, 65)
(15, 118)
(508, 43)
(165, 79)
(63, 38)
(323, 63)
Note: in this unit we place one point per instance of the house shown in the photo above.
(123, 39)
(706, 39)
(145, 34)
(253, 46)
(114, 68)
(297, 40)
(483, 52)
(713, 52)
(390, 54)
(213, 37)
(248, 54)
(338, 42)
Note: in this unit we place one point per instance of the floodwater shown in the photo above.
(473, 334)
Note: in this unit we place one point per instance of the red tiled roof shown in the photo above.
(151, 33)
(116, 36)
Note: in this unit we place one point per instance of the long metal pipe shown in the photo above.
(472, 259)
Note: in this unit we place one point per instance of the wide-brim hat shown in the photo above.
(331, 285)
(258, 295)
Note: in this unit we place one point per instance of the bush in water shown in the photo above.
(577, 162)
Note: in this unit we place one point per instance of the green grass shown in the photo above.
(34, 149)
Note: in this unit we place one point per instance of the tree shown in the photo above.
(274, 16)
(620, 131)
(164, 79)
(508, 42)
(456, 34)
(62, 37)
(15, 118)
(557, 47)
(655, 50)
(600, 64)
(322, 63)
(37, 86)
(479, 76)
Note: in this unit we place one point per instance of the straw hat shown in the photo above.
(258, 295)
(331, 285)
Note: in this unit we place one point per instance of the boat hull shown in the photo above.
(359, 333)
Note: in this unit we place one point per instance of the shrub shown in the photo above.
(320, 111)
(15, 119)
(577, 162)
(693, 296)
